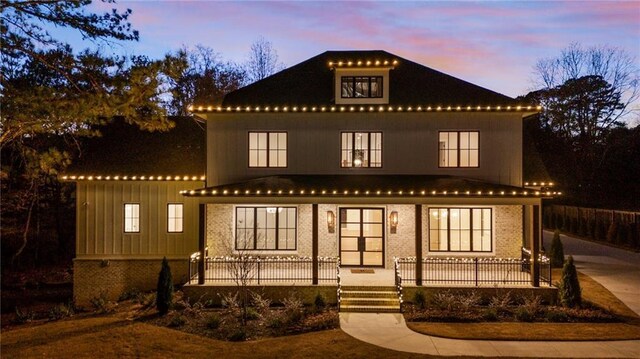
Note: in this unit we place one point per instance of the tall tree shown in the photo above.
(263, 60)
(203, 80)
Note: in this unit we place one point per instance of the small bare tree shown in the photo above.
(242, 268)
(263, 60)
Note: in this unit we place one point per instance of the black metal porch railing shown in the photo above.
(543, 262)
(473, 271)
(398, 280)
(255, 270)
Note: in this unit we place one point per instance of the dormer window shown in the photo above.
(361, 86)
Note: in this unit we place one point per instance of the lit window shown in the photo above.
(361, 86)
(459, 149)
(267, 149)
(174, 217)
(460, 229)
(266, 228)
(361, 149)
(132, 217)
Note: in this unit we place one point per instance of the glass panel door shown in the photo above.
(362, 237)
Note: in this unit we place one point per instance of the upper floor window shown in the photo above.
(267, 149)
(131, 217)
(361, 86)
(174, 217)
(459, 149)
(266, 228)
(361, 149)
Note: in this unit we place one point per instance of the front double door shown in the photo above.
(362, 237)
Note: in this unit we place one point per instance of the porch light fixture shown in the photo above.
(393, 222)
(331, 222)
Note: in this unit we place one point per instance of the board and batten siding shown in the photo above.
(100, 219)
(410, 143)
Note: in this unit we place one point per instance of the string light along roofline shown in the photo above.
(360, 108)
(132, 178)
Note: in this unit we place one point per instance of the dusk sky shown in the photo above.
(492, 44)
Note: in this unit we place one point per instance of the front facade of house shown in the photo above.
(360, 155)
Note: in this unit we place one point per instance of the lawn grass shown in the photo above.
(592, 292)
(115, 336)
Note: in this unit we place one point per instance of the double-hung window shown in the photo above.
(132, 217)
(459, 149)
(267, 149)
(361, 149)
(266, 228)
(361, 86)
(460, 229)
(175, 217)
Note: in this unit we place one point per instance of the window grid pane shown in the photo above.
(131, 217)
(458, 149)
(361, 87)
(267, 149)
(274, 228)
(460, 229)
(174, 217)
(361, 149)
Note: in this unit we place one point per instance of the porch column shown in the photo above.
(418, 231)
(202, 219)
(314, 243)
(535, 245)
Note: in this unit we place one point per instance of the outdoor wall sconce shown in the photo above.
(331, 222)
(393, 222)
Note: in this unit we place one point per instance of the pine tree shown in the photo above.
(164, 295)
(569, 291)
(556, 252)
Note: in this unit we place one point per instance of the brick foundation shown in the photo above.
(111, 277)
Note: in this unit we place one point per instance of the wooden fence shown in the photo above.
(592, 214)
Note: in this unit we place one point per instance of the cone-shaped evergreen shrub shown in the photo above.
(556, 254)
(569, 291)
(164, 295)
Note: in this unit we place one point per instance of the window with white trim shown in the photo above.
(459, 148)
(266, 228)
(131, 217)
(267, 149)
(460, 229)
(361, 149)
(175, 217)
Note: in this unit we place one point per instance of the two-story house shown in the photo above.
(360, 155)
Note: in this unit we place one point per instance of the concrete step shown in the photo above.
(368, 294)
(370, 301)
(368, 288)
(370, 309)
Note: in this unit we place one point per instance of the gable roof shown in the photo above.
(311, 82)
(125, 150)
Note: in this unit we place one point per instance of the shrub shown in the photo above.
(164, 294)
(612, 232)
(23, 316)
(419, 299)
(231, 304)
(260, 303)
(237, 335)
(177, 321)
(556, 316)
(556, 253)
(101, 304)
(133, 294)
(319, 302)
(60, 311)
(252, 314)
(214, 321)
(148, 300)
(446, 300)
(275, 322)
(532, 304)
(490, 315)
(469, 300)
(501, 301)
(569, 290)
(523, 315)
(293, 309)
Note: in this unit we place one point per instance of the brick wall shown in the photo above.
(110, 278)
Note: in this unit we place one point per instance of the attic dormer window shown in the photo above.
(361, 86)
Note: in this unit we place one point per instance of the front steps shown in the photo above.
(365, 299)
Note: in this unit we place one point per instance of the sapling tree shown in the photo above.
(569, 291)
(556, 252)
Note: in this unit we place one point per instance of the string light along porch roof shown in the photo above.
(200, 178)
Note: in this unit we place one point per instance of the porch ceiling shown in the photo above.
(367, 186)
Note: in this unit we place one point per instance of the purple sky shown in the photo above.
(492, 44)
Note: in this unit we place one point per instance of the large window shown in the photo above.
(266, 228)
(361, 86)
(174, 217)
(460, 229)
(131, 217)
(267, 149)
(459, 149)
(361, 149)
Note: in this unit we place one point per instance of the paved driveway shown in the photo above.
(616, 269)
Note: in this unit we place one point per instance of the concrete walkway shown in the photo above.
(390, 331)
(617, 270)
